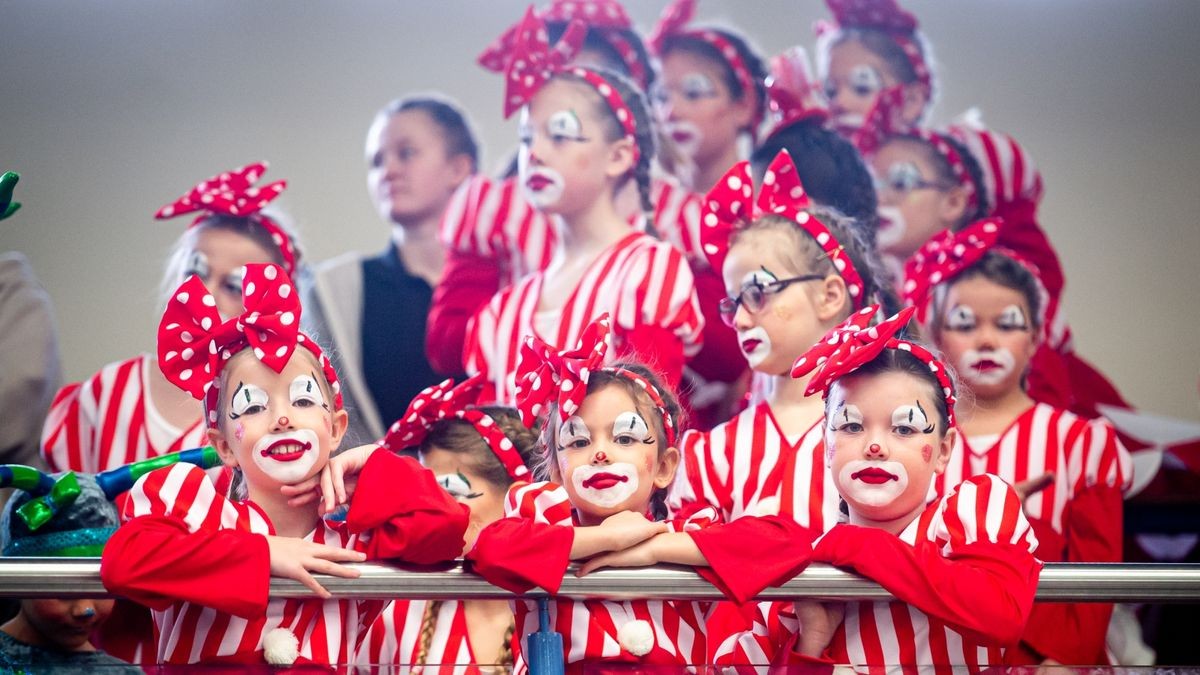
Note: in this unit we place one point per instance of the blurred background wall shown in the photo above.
(110, 109)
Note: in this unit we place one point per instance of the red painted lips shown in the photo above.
(873, 476)
(290, 456)
(603, 481)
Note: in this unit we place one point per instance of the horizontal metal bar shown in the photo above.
(1074, 582)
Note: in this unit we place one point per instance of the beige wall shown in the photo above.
(109, 109)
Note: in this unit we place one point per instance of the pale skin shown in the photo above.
(844, 83)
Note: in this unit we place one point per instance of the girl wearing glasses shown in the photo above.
(793, 271)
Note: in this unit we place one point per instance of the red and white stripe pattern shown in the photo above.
(747, 466)
(493, 219)
(329, 630)
(1009, 173)
(589, 628)
(640, 282)
(395, 639)
(1081, 453)
(107, 421)
(879, 637)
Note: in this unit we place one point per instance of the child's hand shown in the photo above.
(627, 528)
(818, 622)
(334, 485)
(1028, 488)
(642, 554)
(296, 559)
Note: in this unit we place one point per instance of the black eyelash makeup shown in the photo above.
(926, 430)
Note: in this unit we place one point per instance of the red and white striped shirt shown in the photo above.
(492, 219)
(963, 576)
(747, 466)
(642, 283)
(109, 420)
(525, 547)
(395, 638)
(201, 561)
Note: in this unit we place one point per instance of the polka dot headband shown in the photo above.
(673, 24)
(233, 193)
(854, 344)
(729, 206)
(445, 401)
(194, 344)
(887, 17)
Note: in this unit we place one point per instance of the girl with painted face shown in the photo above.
(274, 415)
(987, 314)
(476, 453)
(609, 456)
(585, 134)
(873, 45)
(792, 272)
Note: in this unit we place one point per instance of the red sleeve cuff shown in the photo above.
(779, 547)
(518, 554)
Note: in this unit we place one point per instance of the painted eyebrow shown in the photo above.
(928, 429)
(237, 389)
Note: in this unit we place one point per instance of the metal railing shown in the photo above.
(1059, 582)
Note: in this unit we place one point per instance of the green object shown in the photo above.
(38, 512)
(7, 206)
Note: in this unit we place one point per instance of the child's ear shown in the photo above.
(668, 464)
(954, 205)
(461, 167)
(217, 440)
(620, 158)
(341, 422)
(743, 110)
(833, 299)
(942, 458)
(916, 97)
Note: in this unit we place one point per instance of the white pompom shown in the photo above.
(636, 637)
(281, 647)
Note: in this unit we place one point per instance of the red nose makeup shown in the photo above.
(283, 421)
(874, 449)
(601, 456)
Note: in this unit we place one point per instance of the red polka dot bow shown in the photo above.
(545, 374)
(944, 257)
(194, 343)
(446, 401)
(533, 61)
(730, 206)
(885, 121)
(233, 193)
(819, 353)
(854, 346)
(792, 94)
(885, 16)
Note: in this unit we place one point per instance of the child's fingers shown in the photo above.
(306, 498)
(339, 482)
(327, 496)
(593, 565)
(325, 552)
(307, 579)
(298, 489)
(332, 569)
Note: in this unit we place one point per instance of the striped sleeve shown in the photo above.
(182, 492)
(543, 502)
(982, 508)
(1099, 458)
(696, 520)
(69, 426)
(677, 215)
(492, 219)
(469, 218)
(658, 290)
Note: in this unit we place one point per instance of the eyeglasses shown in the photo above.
(754, 296)
(903, 178)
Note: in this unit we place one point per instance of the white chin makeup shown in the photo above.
(849, 121)
(891, 227)
(872, 494)
(543, 187)
(687, 136)
(605, 486)
(758, 352)
(1001, 366)
(284, 464)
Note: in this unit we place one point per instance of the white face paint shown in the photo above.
(873, 483)
(1012, 317)
(457, 485)
(605, 485)
(755, 344)
(847, 414)
(988, 366)
(572, 431)
(305, 388)
(197, 264)
(631, 425)
(247, 399)
(542, 186)
(287, 457)
(891, 227)
(687, 136)
(912, 417)
(960, 317)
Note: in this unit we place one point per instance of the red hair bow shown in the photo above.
(819, 353)
(674, 19)
(233, 193)
(194, 343)
(445, 401)
(886, 16)
(730, 206)
(854, 346)
(792, 94)
(534, 61)
(943, 257)
(545, 374)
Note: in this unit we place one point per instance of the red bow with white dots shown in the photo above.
(446, 401)
(233, 193)
(819, 353)
(194, 343)
(606, 18)
(730, 206)
(854, 347)
(792, 94)
(545, 374)
(943, 257)
(885, 16)
(533, 61)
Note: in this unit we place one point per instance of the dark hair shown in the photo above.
(903, 361)
(644, 133)
(457, 133)
(886, 48)
(845, 230)
(599, 40)
(462, 438)
(599, 379)
(1001, 270)
(831, 169)
(974, 174)
(750, 56)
